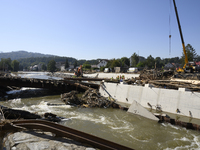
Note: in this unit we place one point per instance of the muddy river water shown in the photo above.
(114, 125)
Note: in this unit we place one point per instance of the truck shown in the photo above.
(107, 70)
(132, 70)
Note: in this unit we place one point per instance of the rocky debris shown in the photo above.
(37, 140)
(91, 98)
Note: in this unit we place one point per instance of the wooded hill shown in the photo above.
(22, 54)
(27, 59)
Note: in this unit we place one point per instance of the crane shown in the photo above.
(187, 66)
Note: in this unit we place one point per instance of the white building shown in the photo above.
(62, 68)
(102, 63)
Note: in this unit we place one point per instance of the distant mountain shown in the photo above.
(22, 54)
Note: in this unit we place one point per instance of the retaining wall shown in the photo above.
(180, 101)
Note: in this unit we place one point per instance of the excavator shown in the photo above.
(188, 67)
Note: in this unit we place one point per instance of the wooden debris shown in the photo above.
(168, 84)
(155, 74)
(91, 98)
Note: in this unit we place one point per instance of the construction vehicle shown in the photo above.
(188, 66)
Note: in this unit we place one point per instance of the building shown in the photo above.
(102, 63)
(62, 68)
(172, 66)
(70, 67)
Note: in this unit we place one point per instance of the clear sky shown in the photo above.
(91, 29)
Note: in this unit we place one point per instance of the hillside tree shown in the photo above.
(51, 66)
(15, 65)
(44, 67)
(5, 64)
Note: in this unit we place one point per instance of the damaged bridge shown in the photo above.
(61, 85)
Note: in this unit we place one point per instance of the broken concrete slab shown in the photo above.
(138, 109)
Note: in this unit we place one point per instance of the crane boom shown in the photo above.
(179, 26)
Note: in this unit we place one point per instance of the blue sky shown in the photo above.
(91, 29)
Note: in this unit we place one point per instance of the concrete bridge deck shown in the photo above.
(61, 85)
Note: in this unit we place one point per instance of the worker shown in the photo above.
(79, 72)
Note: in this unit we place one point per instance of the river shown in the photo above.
(113, 124)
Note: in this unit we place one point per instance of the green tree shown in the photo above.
(198, 58)
(66, 64)
(115, 63)
(102, 69)
(75, 63)
(15, 65)
(44, 67)
(159, 62)
(51, 67)
(125, 61)
(175, 60)
(108, 65)
(86, 65)
(5, 64)
(150, 62)
(134, 60)
(141, 64)
(21, 67)
(191, 54)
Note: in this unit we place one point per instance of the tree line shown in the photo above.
(48, 63)
(151, 62)
(8, 64)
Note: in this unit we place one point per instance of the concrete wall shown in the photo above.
(168, 100)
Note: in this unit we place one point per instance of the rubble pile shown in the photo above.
(155, 74)
(70, 98)
(147, 76)
(91, 98)
(169, 84)
(135, 81)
